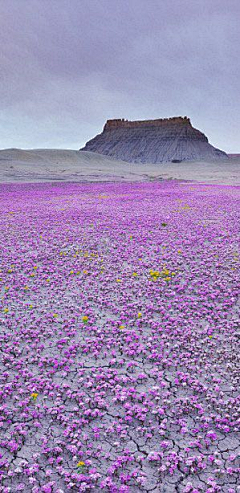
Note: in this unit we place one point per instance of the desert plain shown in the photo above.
(43, 165)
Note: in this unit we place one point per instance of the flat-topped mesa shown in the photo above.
(153, 141)
(122, 123)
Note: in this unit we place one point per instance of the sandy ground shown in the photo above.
(42, 165)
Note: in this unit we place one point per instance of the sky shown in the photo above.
(66, 66)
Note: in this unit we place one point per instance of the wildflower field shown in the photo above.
(119, 337)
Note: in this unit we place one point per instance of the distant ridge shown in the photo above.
(153, 141)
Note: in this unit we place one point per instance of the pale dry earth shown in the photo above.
(43, 165)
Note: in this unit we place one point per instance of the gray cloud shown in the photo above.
(68, 65)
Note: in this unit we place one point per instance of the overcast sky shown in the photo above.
(68, 65)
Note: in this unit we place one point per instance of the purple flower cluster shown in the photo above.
(119, 338)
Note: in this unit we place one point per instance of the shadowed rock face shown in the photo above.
(153, 141)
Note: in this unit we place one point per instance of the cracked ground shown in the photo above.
(119, 331)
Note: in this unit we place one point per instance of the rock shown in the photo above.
(153, 141)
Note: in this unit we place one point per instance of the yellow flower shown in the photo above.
(71, 271)
(139, 315)
(9, 271)
(119, 280)
(134, 274)
(84, 318)
(6, 310)
(85, 272)
(48, 280)
(121, 327)
(81, 463)
(32, 274)
(35, 267)
(155, 274)
(179, 251)
(55, 315)
(26, 288)
(34, 395)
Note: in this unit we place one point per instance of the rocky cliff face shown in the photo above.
(153, 141)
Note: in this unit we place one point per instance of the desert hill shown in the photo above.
(55, 165)
(153, 141)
